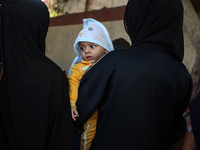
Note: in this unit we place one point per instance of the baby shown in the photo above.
(92, 43)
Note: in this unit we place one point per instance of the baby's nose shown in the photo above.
(87, 50)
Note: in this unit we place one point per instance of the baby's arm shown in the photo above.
(74, 79)
(74, 113)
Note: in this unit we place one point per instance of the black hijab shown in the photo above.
(34, 103)
(156, 25)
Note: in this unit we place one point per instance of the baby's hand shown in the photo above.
(74, 113)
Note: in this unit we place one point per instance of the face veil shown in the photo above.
(156, 25)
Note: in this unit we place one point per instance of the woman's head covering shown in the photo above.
(37, 32)
(94, 32)
(156, 24)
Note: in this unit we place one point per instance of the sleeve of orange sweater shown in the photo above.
(74, 79)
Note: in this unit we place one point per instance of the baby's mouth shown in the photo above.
(89, 57)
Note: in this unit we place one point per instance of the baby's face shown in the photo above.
(91, 52)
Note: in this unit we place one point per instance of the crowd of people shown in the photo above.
(116, 95)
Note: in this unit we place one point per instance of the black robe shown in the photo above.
(35, 111)
(140, 92)
(195, 119)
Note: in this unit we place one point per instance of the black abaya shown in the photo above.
(195, 119)
(140, 92)
(35, 111)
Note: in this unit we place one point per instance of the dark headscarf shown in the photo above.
(35, 111)
(156, 24)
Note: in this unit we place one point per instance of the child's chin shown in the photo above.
(91, 61)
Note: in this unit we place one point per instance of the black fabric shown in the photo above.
(35, 111)
(140, 92)
(195, 119)
(156, 25)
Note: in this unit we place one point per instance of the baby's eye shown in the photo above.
(82, 48)
(92, 46)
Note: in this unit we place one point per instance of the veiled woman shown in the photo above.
(140, 92)
(34, 104)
